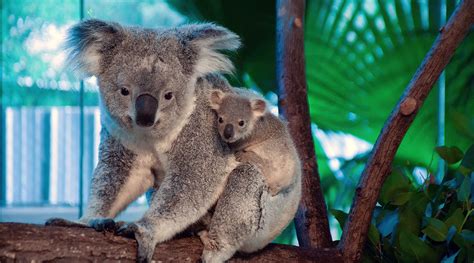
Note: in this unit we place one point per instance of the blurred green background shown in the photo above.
(360, 55)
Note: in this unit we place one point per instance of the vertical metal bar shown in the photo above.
(81, 125)
(441, 103)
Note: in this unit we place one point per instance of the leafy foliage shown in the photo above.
(360, 55)
(429, 223)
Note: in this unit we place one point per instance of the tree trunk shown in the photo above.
(380, 160)
(25, 242)
(311, 220)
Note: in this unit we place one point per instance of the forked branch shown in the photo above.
(380, 160)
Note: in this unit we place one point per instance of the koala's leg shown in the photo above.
(119, 178)
(183, 198)
(265, 166)
(238, 214)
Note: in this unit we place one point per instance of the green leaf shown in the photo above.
(414, 247)
(409, 221)
(396, 182)
(436, 230)
(455, 219)
(374, 235)
(468, 235)
(465, 189)
(401, 198)
(451, 154)
(340, 216)
(468, 160)
(465, 239)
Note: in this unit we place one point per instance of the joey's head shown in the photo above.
(146, 77)
(236, 114)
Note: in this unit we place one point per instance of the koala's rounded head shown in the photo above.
(236, 114)
(146, 77)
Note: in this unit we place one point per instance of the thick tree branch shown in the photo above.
(379, 163)
(312, 225)
(25, 242)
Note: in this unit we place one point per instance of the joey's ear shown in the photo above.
(259, 107)
(209, 39)
(87, 41)
(215, 99)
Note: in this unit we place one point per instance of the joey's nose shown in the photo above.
(145, 109)
(228, 131)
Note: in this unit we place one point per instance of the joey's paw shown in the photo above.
(240, 156)
(144, 237)
(274, 189)
(103, 224)
(209, 243)
(55, 221)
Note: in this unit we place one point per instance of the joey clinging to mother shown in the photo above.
(159, 132)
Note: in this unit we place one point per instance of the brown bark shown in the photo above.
(379, 163)
(311, 220)
(25, 242)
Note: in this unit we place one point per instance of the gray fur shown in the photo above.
(181, 156)
(259, 137)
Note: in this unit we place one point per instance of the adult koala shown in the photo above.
(159, 132)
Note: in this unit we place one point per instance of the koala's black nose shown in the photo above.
(145, 109)
(228, 131)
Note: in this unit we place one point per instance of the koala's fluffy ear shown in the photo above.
(87, 42)
(210, 39)
(215, 99)
(259, 107)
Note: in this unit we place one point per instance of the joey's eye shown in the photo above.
(124, 91)
(168, 95)
(221, 120)
(241, 123)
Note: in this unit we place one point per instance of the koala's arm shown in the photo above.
(118, 179)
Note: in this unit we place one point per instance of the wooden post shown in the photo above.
(312, 225)
(380, 160)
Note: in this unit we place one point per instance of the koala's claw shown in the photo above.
(103, 224)
(145, 240)
(127, 230)
(55, 221)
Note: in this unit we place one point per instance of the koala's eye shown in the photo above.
(221, 120)
(124, 91)
(241, 123)
(168, 95)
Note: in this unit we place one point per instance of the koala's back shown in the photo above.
(272, 142)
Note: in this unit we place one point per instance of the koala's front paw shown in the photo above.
(63, 222)
(127, 230)
(104, 224)
(144, 237)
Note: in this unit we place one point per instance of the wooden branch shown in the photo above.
(379, 163)
(25, 243)
(311, 220)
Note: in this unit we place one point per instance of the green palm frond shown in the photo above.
(360, 56)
